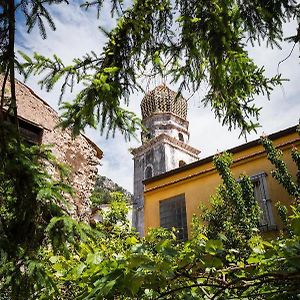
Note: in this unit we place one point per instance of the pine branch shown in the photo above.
(11, 65)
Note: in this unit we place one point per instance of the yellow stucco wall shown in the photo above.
(200, 181)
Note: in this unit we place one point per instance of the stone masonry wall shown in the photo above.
(80, 154)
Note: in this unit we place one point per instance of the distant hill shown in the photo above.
(103, 189)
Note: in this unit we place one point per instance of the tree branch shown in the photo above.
(11, 64)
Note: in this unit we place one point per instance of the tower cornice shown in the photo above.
(164, 138)
(157, 114)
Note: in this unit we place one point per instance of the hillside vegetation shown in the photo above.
(103, 189)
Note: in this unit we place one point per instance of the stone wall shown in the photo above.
(80, 154)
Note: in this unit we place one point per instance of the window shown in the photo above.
(182, 163)
(173, 214)
(30, 132)
(262, 196)
(146, 136)
(180, 137)
(148, 172)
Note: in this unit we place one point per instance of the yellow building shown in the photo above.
(172, 198)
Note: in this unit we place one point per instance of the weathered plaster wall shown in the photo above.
(161, 154)
(174, 156)
(167, 123)
(155, 159)
(80, 154)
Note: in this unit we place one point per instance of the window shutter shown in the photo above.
(261, 194)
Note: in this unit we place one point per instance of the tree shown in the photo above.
(56, 256)
(29, 196)
(234, 213)
(219, 267)
(104, 190)
(190, 41)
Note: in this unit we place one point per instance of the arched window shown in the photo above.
(148, 172)
(182, 163)
(180, 137)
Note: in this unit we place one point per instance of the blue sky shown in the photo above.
(77, 33)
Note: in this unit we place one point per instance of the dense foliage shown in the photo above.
(44, 254)
(223, 266)
(64, 259)
(234, 213)
(190, 42)
(29, 199)
(110, 261)
(104, 190)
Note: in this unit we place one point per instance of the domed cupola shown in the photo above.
(163, 100)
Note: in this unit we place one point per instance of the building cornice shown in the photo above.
(213, 169)
(157, 114)
(209, 159)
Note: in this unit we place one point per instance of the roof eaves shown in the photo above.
(233, 150)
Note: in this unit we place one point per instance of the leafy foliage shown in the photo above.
(160, 267)
(234, 214)
(94, 255)
(46, 255)
(29, 198)
(64, 259)
(205, 43)
(281, 173)
(284, 177)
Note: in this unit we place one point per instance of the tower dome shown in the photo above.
(163, 100)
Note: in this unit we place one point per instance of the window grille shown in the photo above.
(173, 214)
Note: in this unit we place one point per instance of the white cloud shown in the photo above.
(77, 32)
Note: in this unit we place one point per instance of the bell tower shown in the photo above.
(165, 143)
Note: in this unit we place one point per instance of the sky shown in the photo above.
(77, 33)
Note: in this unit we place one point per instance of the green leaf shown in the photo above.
(111, 70)
(213, 246)
(253, 260)
(295, 224)
(132, 240)
(156, 58)
(94, 258)
(105, 290)
(77, 271)
(195, 20)
(54, 259)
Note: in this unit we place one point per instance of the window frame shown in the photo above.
(30, 132)
(172, 214)
(148, 167)
(260, 186)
